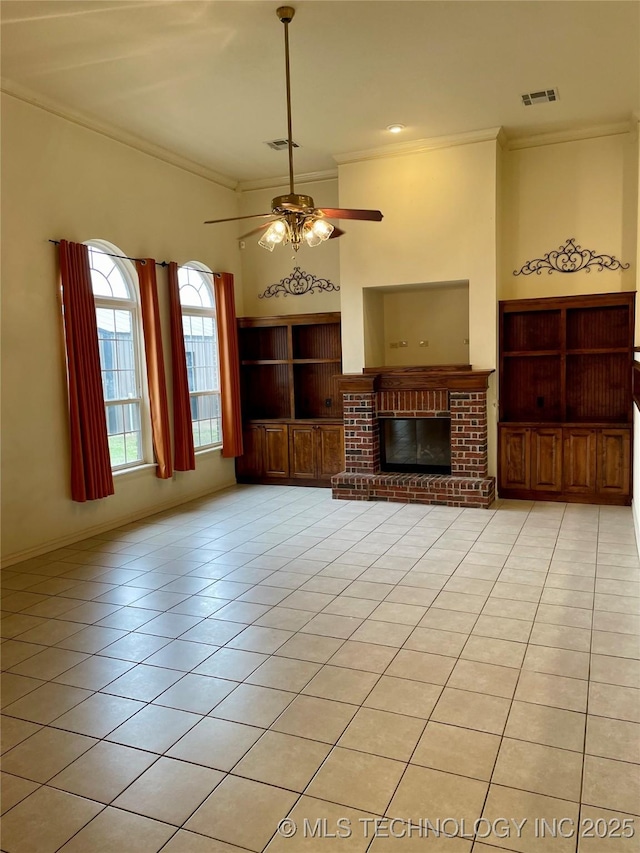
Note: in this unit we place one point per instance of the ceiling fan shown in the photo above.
(297, 217)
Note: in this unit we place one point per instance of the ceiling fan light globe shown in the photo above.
(311, 238)
(322, 229)
(266, 245)
(275, 233)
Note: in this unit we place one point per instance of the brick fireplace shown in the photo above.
(454, 391)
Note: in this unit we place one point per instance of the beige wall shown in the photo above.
(262, 268)
(436, 314)
(60, 180)
(373, 326)
(586, 189)
(439, 225)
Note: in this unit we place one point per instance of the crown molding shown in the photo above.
(22, 93)
(573, 135)
(283, 181)
(502, 139)
(398, 149)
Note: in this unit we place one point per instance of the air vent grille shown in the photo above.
(280, 144)
(544, 96)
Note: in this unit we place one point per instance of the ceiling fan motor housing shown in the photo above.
(293, 202)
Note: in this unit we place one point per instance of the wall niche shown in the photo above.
(417, 324)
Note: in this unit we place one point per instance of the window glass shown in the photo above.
(201, 349)
(118, 341)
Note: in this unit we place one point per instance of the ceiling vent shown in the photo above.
(280, 144)
(544, 96)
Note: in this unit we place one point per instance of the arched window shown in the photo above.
(117, 312)
(197, 299)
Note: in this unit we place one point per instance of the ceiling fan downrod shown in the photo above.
(297, 217)
(287, 202)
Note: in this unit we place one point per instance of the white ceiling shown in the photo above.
(205, 79)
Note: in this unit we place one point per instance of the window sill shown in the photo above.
(141, 470)
(210, 449)
(136, 470)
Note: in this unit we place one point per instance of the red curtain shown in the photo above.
(229, 365)
(184, 456)
(91, 476)
(155, 367)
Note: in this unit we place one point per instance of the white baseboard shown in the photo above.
(78, 536)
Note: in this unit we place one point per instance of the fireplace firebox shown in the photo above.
(416, 445)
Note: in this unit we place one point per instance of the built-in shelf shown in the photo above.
(566, 398)
(529, 354)
(292, 411)
(317, 361)
(265, 361)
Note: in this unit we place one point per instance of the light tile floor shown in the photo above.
(186, 682)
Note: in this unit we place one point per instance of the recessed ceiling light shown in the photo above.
(395, 128)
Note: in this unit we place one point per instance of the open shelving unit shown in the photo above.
(291, 406)
(566, 397)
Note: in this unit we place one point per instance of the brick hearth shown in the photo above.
(456, 392)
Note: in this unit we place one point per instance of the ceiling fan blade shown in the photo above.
(342, 213)
(337, 232)
(257, 230)
(235, 218)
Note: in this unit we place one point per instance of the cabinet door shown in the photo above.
(614, 461)
(579, 461)
(276, 450)
(546, 459)
(302, 455)
(330, 451)
(250, 464)
(515, 458)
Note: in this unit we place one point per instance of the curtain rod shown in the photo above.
(144, 261)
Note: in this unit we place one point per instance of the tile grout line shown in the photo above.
(183, 673)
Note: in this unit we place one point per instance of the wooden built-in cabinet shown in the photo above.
(291, 406)
(316, 451)
(566, 398)
(569, 461)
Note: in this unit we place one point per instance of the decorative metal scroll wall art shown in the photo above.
(571, 258)
(298, 284)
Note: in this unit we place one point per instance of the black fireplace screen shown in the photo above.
(420, 445)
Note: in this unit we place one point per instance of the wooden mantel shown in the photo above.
(450, 377)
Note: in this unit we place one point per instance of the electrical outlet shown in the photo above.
(465, 341)
(403, 343)
(242, 244)
(393, 345)
(424, 343)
